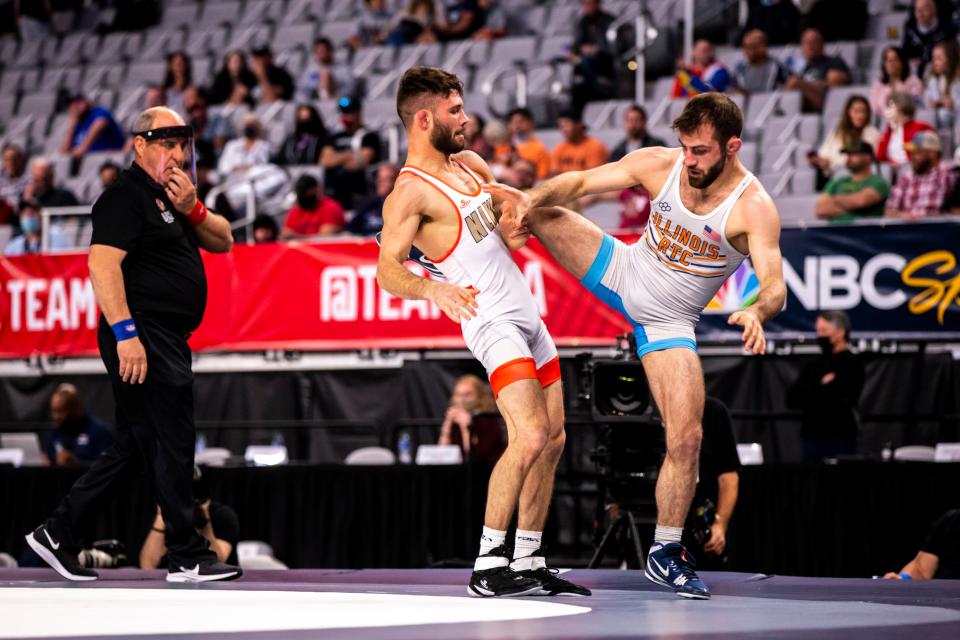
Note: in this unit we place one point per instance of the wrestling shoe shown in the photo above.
(499, 580)
(205, 571)
(671, 566)
(551, 584)
(54, 554)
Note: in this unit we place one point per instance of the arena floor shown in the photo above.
(395, 605)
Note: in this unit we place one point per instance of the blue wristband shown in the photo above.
(124, 330)
(906, 576)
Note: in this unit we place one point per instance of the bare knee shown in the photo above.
(683, 445)
(555, 444)
(532, 444)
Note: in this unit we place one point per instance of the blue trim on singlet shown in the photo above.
(666, 343)
(600, 264)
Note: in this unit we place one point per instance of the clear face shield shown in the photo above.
(175, 149)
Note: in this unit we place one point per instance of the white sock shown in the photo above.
(525, 544)
(665, 535)
(490, 539)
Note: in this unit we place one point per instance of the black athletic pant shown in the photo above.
(155, 427)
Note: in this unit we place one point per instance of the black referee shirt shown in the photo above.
(162, 273)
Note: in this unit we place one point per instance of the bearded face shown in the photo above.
(447, 141)
(703, 178)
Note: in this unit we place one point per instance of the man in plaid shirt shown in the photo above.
(921, 189)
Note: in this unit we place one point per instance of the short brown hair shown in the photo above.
(714, 109)
(420, 83)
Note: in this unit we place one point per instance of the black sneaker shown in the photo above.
(205, 571)
(50, 551)
(501, 581)
(551, 584)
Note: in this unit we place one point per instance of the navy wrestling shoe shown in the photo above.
(535, 567)
(671, 566)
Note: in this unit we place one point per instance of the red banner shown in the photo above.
(312, 296)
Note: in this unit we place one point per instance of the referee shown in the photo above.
(145, 265)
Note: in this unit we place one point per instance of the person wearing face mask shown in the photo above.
(827, 392)
(244, 153)
(304, 145)
(347, 154)
(900, 129)
(314, 214)
(29, 240)
(923, 188)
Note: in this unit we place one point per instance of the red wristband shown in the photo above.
(198, 214)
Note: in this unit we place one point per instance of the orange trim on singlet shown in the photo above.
(445, 183)
(549, 373)
(512, 371)
(455, 208)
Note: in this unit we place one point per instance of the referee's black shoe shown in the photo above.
(56, 555)
(204, 571)
(500, 580)
(535, 567)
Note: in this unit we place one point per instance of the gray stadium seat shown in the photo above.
(550, 137)
(338, 32)
(28, 55)
(777, 157)
(804, 181)
(836, 99)
(158, 43)
(554, 47)
(56, 77)
(796, 209)
(609, 137)
(38, 104)
(247, 38)
(73, 49)
(180, 15)
(562, 19)
(144, 73)
(219, 13)
(260, 11)
(604, 214)
(115, 46)
(761, 106)
(7, 105)
(512, 50)
(342, 9)
(748, 156)
(105, 75)
(887, 27)
(298, 10)
(535, 19)
(291, 36)
(211, 40)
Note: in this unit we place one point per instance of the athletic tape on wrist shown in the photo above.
(124, 330)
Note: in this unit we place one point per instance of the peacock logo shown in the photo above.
(738, 292)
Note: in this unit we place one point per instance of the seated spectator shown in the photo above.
(900, 129)
(245, 152)
(416, 25)
(461, 19)
(273, 82)
(895, 75)
(235, 82)
(922, 189)
(178, 78)
(314, 214)
(373, 25)
(922, 31)
(939, 555)
(495, 20)
(854, 126)
(13, 175)
(704, 73)
(470, 396)
(524, 143)
(324, 78)
(578, 151)
(758, 72)
(304, 144)
(942, 84)
(42, 187)
(265, 229)
(860, 194)
(368, 219)
(153, 96)
(595, 73)
(79, 438)
(813, 72)
(107, 173)
(90, 128)
(778, 19)
(346, 167)
(210, 133)
(634, 208)
(215, 521)
(635, 125)
(28, 242)
(476, 142)
(521, 174)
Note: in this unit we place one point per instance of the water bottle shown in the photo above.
(201, 443)
(886, 454)
(404, 448)
(277, 440)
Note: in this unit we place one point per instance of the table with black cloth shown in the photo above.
(855, 519)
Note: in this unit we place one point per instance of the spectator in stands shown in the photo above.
(416, 25)
(470, 396)
(273, 82)
(900, 129)
(245, 152)
(345, 167)
(758, 72)
(778, 19)
(476, 142)
(213, 520)
(854, 126)
(314, 214)
(495, 20)
(922, 189)
(13, 175)
(939, 555)
(368, 219)
(33, 19)
(634, 208)
(210, 133)
(304, 144)
(827, 391)
(461, 19)
(922, 31)
(524, 142)
(235, 82)
(176, 80)
(153, 96)
(107, 173)
(521, 174)
(860, 194)
(578, 151)
(324, 78)
(28, 242)
(595, 74)
(942, 83)
(635, 125)
(895, 75)
(42, 186)
(90, 128)
(373, 25)
(79, 438)
(813, 72)
(265, 229)
(704, 73)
